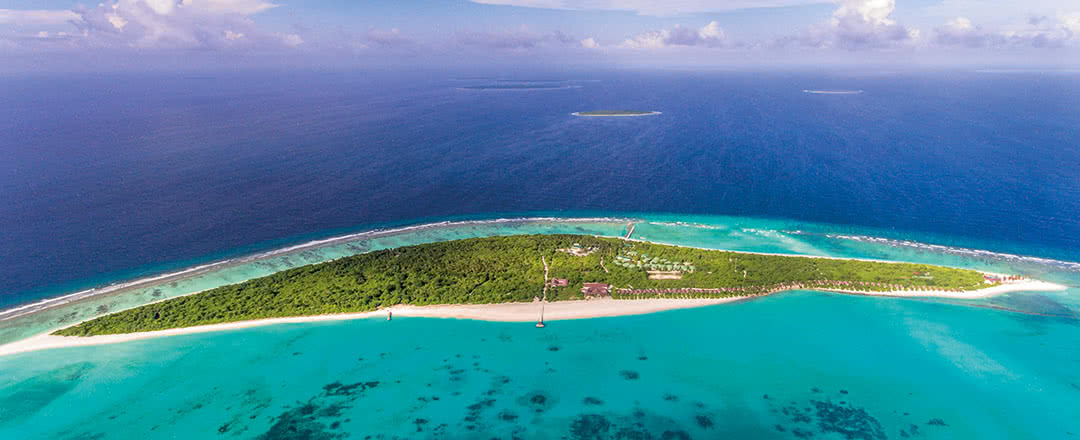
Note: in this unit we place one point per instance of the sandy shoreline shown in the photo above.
(513, 312)
(508, 312)
(192, 272)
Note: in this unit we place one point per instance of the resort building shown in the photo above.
(596, 290)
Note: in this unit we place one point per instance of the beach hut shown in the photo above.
(596, 290)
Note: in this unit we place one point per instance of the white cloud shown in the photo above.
(960, 24)
(652, 7)
(518, 39)
(116, 20)
(712, 31)
(961, 32)
(857, 24)
(648, 40)
(1037, 32)
(242, 7)
(996, 12)
(161, 7)
(160, 24)
(1070, 21)
(711, 35)
(390, 38)
(36, 17)
(590, 43)
(291, 40)
(868, 23)
(872, 12)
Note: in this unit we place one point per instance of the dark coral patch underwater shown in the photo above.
(320, 417)
(836, 419)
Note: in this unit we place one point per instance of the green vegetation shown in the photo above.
(509, 269)
(615, 113)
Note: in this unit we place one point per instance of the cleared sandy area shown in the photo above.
(510, 312)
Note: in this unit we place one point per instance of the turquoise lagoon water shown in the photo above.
(795, 365)
(782, 367)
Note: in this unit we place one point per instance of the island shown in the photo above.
(833, 92)
(532, 80)
(517, 86)
(524, 271)
(615, 113)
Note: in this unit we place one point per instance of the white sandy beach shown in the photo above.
(510, 312)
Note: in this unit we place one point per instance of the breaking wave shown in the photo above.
(960, 251)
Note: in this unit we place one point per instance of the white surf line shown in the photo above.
(26, 309)
(953, 250)
(65, 299)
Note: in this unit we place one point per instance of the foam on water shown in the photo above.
(972, 253)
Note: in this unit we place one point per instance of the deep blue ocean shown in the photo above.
(108, 178)
(105, 177)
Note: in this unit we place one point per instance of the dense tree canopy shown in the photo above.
(509, 269)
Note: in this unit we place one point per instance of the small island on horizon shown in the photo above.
(615, 113)
(532, 80)
(833, 92)
(518, 86)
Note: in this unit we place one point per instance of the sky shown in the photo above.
(131, 34)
